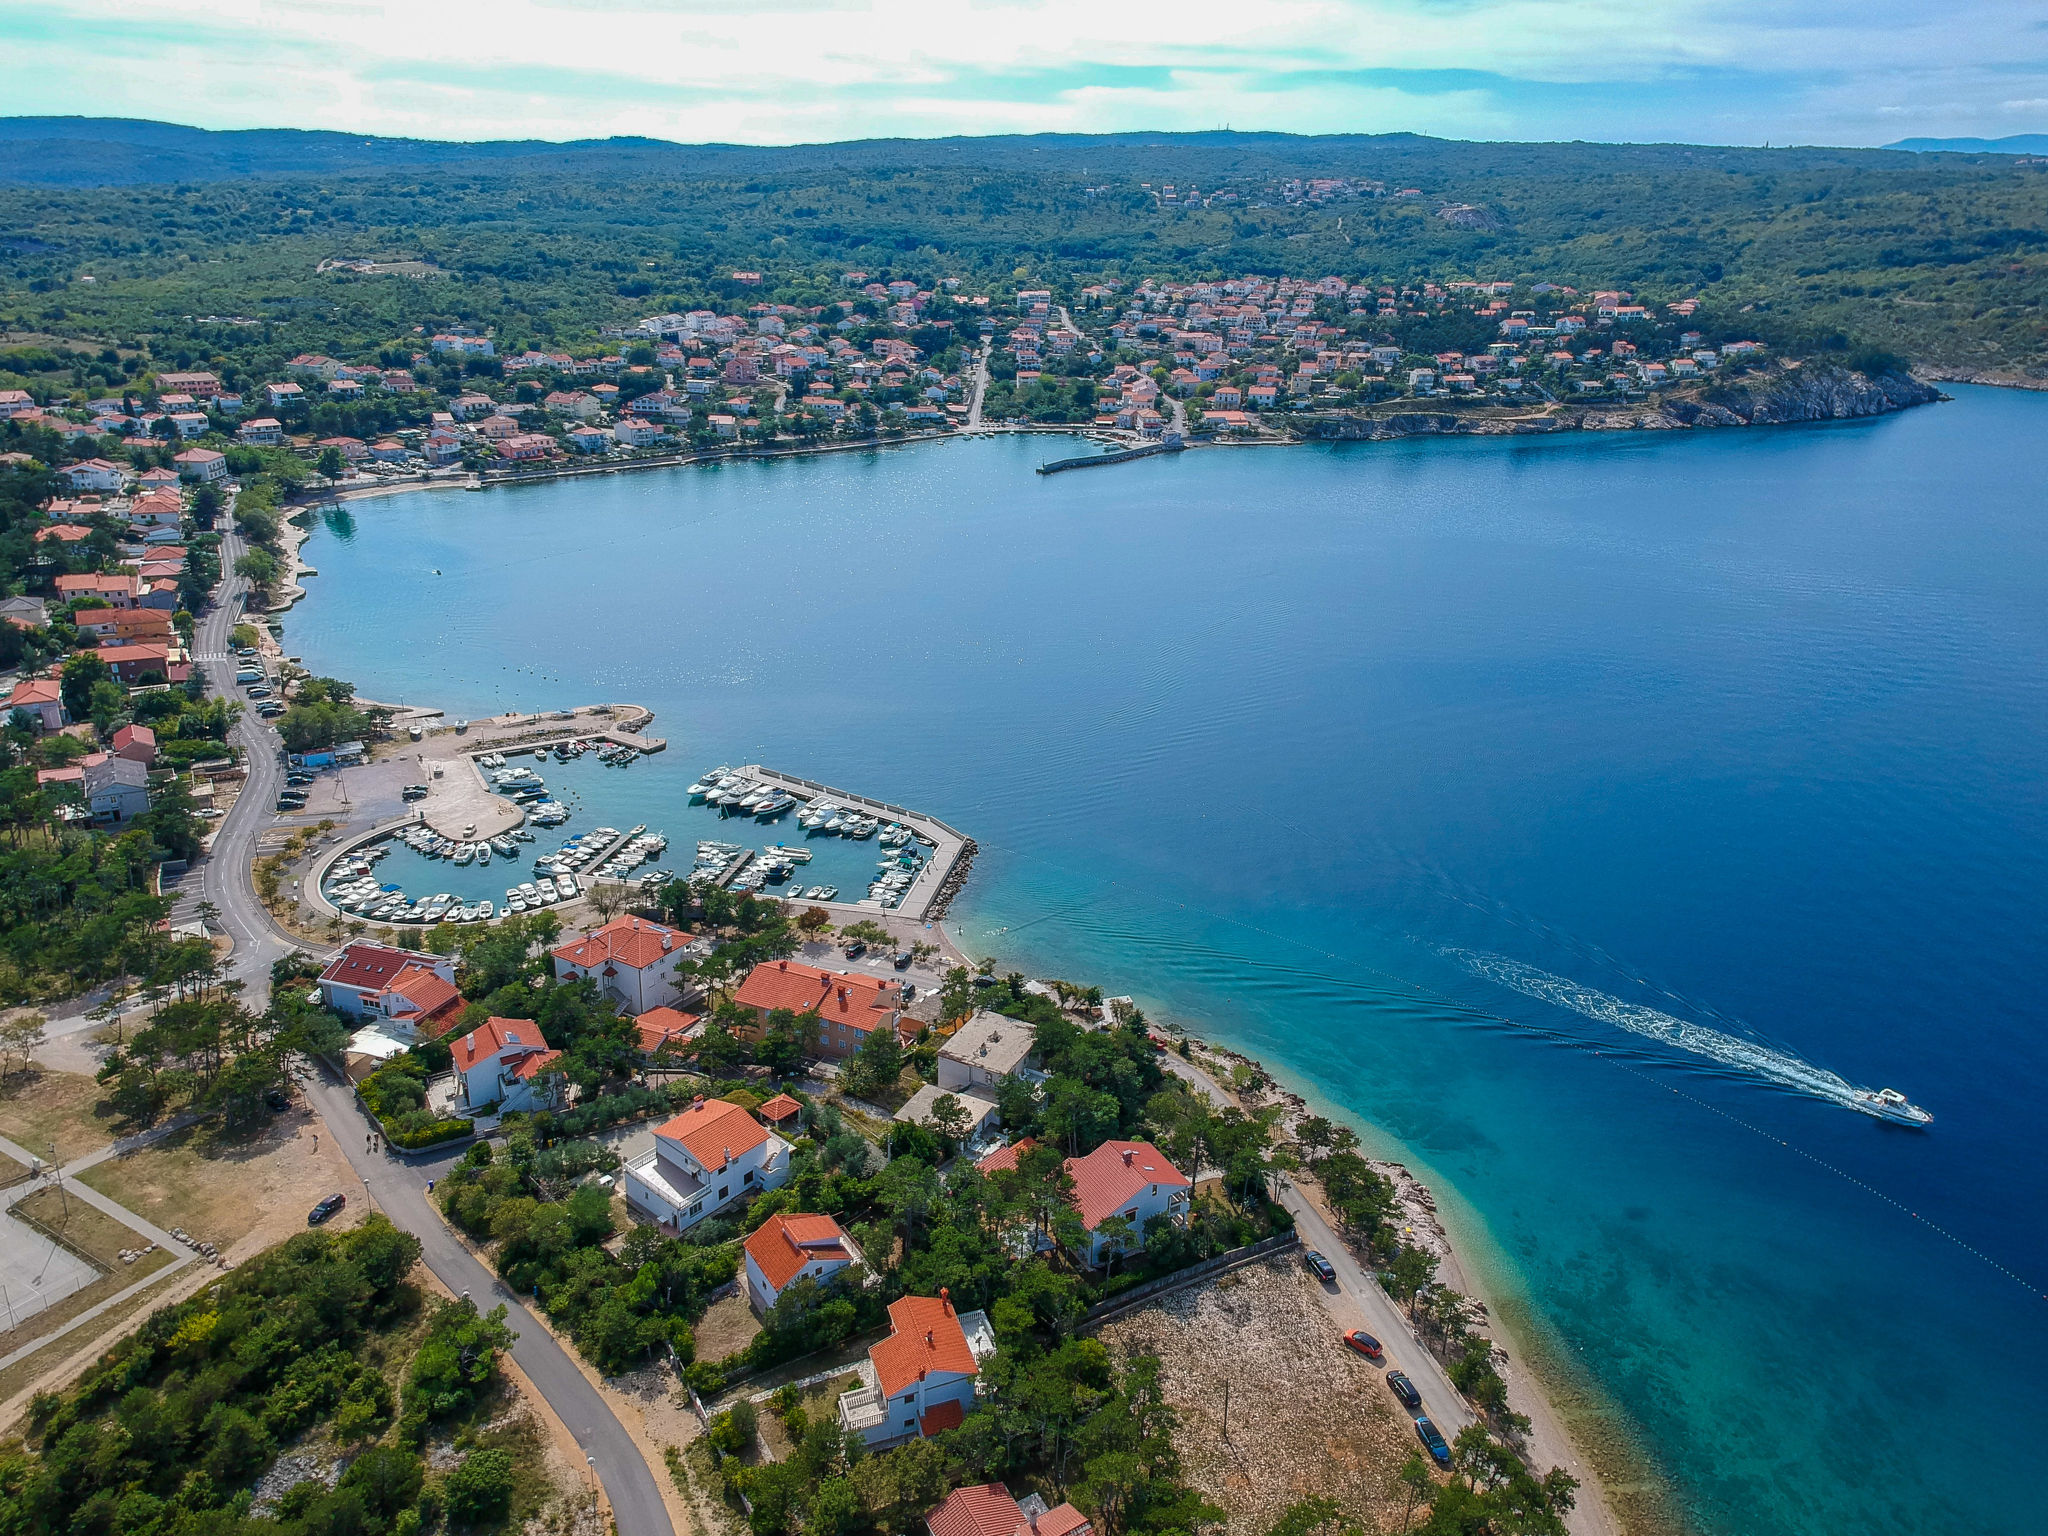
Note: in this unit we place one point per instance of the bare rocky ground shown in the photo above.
(1308, 1418)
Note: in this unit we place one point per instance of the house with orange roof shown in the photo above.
(920, 1380)
(42, 698)
(1004, 1159)
(848, 1004)
(1131, 1179)
(787, 1248)
(633, 960)
(712, 1154)
(666, 1028)
(508, 1062)
(374, 981)
(988, 1510)
(137, 742)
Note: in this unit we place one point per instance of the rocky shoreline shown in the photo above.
(1777, 397)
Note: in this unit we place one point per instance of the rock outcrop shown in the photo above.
(1767, 397)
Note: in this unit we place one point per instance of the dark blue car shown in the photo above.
(1433, 1441)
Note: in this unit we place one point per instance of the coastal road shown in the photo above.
(400, 1190)
(1357, 1301)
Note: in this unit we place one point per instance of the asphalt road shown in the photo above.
(399, 1187)
(1356, 1301)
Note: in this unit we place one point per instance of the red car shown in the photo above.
(1364, 1343)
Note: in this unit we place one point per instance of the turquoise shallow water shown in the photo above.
(1579, 812)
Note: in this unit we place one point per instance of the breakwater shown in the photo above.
(1120, 456)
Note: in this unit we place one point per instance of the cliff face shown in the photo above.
(1815, 392)
(1812, 393)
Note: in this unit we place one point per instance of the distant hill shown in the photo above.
(115, 152)
(2017, 144)
(120, 151)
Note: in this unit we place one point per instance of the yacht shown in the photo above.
(483, 854)
(1890, 1104)
(465, 853)
(547, 889)
(566, 886)
(506, 848)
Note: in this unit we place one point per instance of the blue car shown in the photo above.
(1433, 1441)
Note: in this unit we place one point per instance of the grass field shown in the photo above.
(65, 1111)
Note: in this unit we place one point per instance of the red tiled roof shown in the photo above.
(495, 1036)
(368, 965)
(1060, 1520)
(714, 1132)
(940, 1418)
(1004, 1159)
(1108, 1178)
(425, 990)
(134, 736)
(659, 1026)
(532, 1066)
(783, 1245)
(780, 1108)
(633, 942)
(925, 1337)
(985, 1510)
(37, 690)
(841, 996)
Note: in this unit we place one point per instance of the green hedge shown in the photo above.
(430, 1136)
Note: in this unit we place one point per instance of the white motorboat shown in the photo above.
(547, 889)
(566, 886)
(1890, 1104)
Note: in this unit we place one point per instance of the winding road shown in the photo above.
(398, 1187)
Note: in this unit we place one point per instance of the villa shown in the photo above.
(920, 1380)
(702, 1160)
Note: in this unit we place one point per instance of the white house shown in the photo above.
(116, 788)
(264, 431)
(508, 1062)
(986, 1049)
(371, 981)
(786, 1249)
(1131, 1179)
(204, 465)
(95, 475)
(702, 1160)
(919, 1381)
(632, 960)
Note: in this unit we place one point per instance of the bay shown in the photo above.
(1566, 810)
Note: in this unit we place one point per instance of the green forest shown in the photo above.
(1940, 258)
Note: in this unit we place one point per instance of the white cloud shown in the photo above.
(787, 70)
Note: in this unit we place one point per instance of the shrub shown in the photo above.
(480, 1490)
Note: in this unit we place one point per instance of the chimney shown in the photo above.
(1129, 1157)
(946, 1300)
(927, 1338)
(696, 1101)
(842, 997)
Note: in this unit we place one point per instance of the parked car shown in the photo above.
(855, 950)
(1404, 1389)
(1433, 1441)
(277, 1101)
(298, 778)
(1319, 1266)
(325, 1209)
(902, 961)
(1365, 1344)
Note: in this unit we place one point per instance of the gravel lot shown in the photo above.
(1307, 1416)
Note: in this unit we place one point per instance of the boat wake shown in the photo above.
(1668, 1029)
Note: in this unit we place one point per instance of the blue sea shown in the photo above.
(1586, 816)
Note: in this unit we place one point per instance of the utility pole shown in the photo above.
(1226, 1408)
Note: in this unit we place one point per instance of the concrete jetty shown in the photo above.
(935, 885)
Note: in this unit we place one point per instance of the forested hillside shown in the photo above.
(1940, 258)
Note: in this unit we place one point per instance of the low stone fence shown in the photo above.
(1194, 1274)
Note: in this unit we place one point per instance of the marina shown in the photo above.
(745, 828)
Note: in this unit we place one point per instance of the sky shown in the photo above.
(1853, 72)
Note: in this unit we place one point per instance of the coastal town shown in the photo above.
(898, 1189)
(1250, 359)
